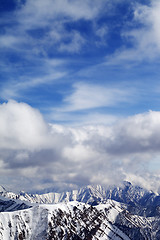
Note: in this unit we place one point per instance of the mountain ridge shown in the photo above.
(73, 220)
(90, 213)
(139, 200)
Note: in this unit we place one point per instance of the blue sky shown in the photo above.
(51, 51)
(78, 65)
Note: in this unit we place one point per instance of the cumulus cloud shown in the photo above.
(22, 127)
(139, 133)
(53, 155)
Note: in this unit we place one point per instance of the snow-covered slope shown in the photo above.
(135, 215)
(73, 221)
(87, 194)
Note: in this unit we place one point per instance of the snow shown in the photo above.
(66, 214)
(34, 221)
(113, 209)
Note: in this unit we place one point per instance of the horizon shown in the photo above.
(80, 93)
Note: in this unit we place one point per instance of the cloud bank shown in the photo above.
(46, 155)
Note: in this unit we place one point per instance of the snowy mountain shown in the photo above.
(74, 220)
(87, 194)
(8, 205)
(127, 212)
(139, 201)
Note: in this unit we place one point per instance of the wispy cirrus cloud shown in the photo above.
(15, 89)
(83, 103)
(75, 45)
(47, 20)
(41, 12)
(35, 33)
(89, 96)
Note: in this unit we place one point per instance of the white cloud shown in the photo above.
(145, 39)
(74, 45)
(149, 181)
(42, 11)
(9, 40)
(88, 96)
(34, 32)
(49, 18)
(138, 133)
(54, 155)
(89, 118)
(149, 16)
(16, 87)
(22, 127)
(102, 33)
(107, 155)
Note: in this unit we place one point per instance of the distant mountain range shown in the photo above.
(92, 212)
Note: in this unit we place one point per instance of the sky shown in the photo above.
(79, 93)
